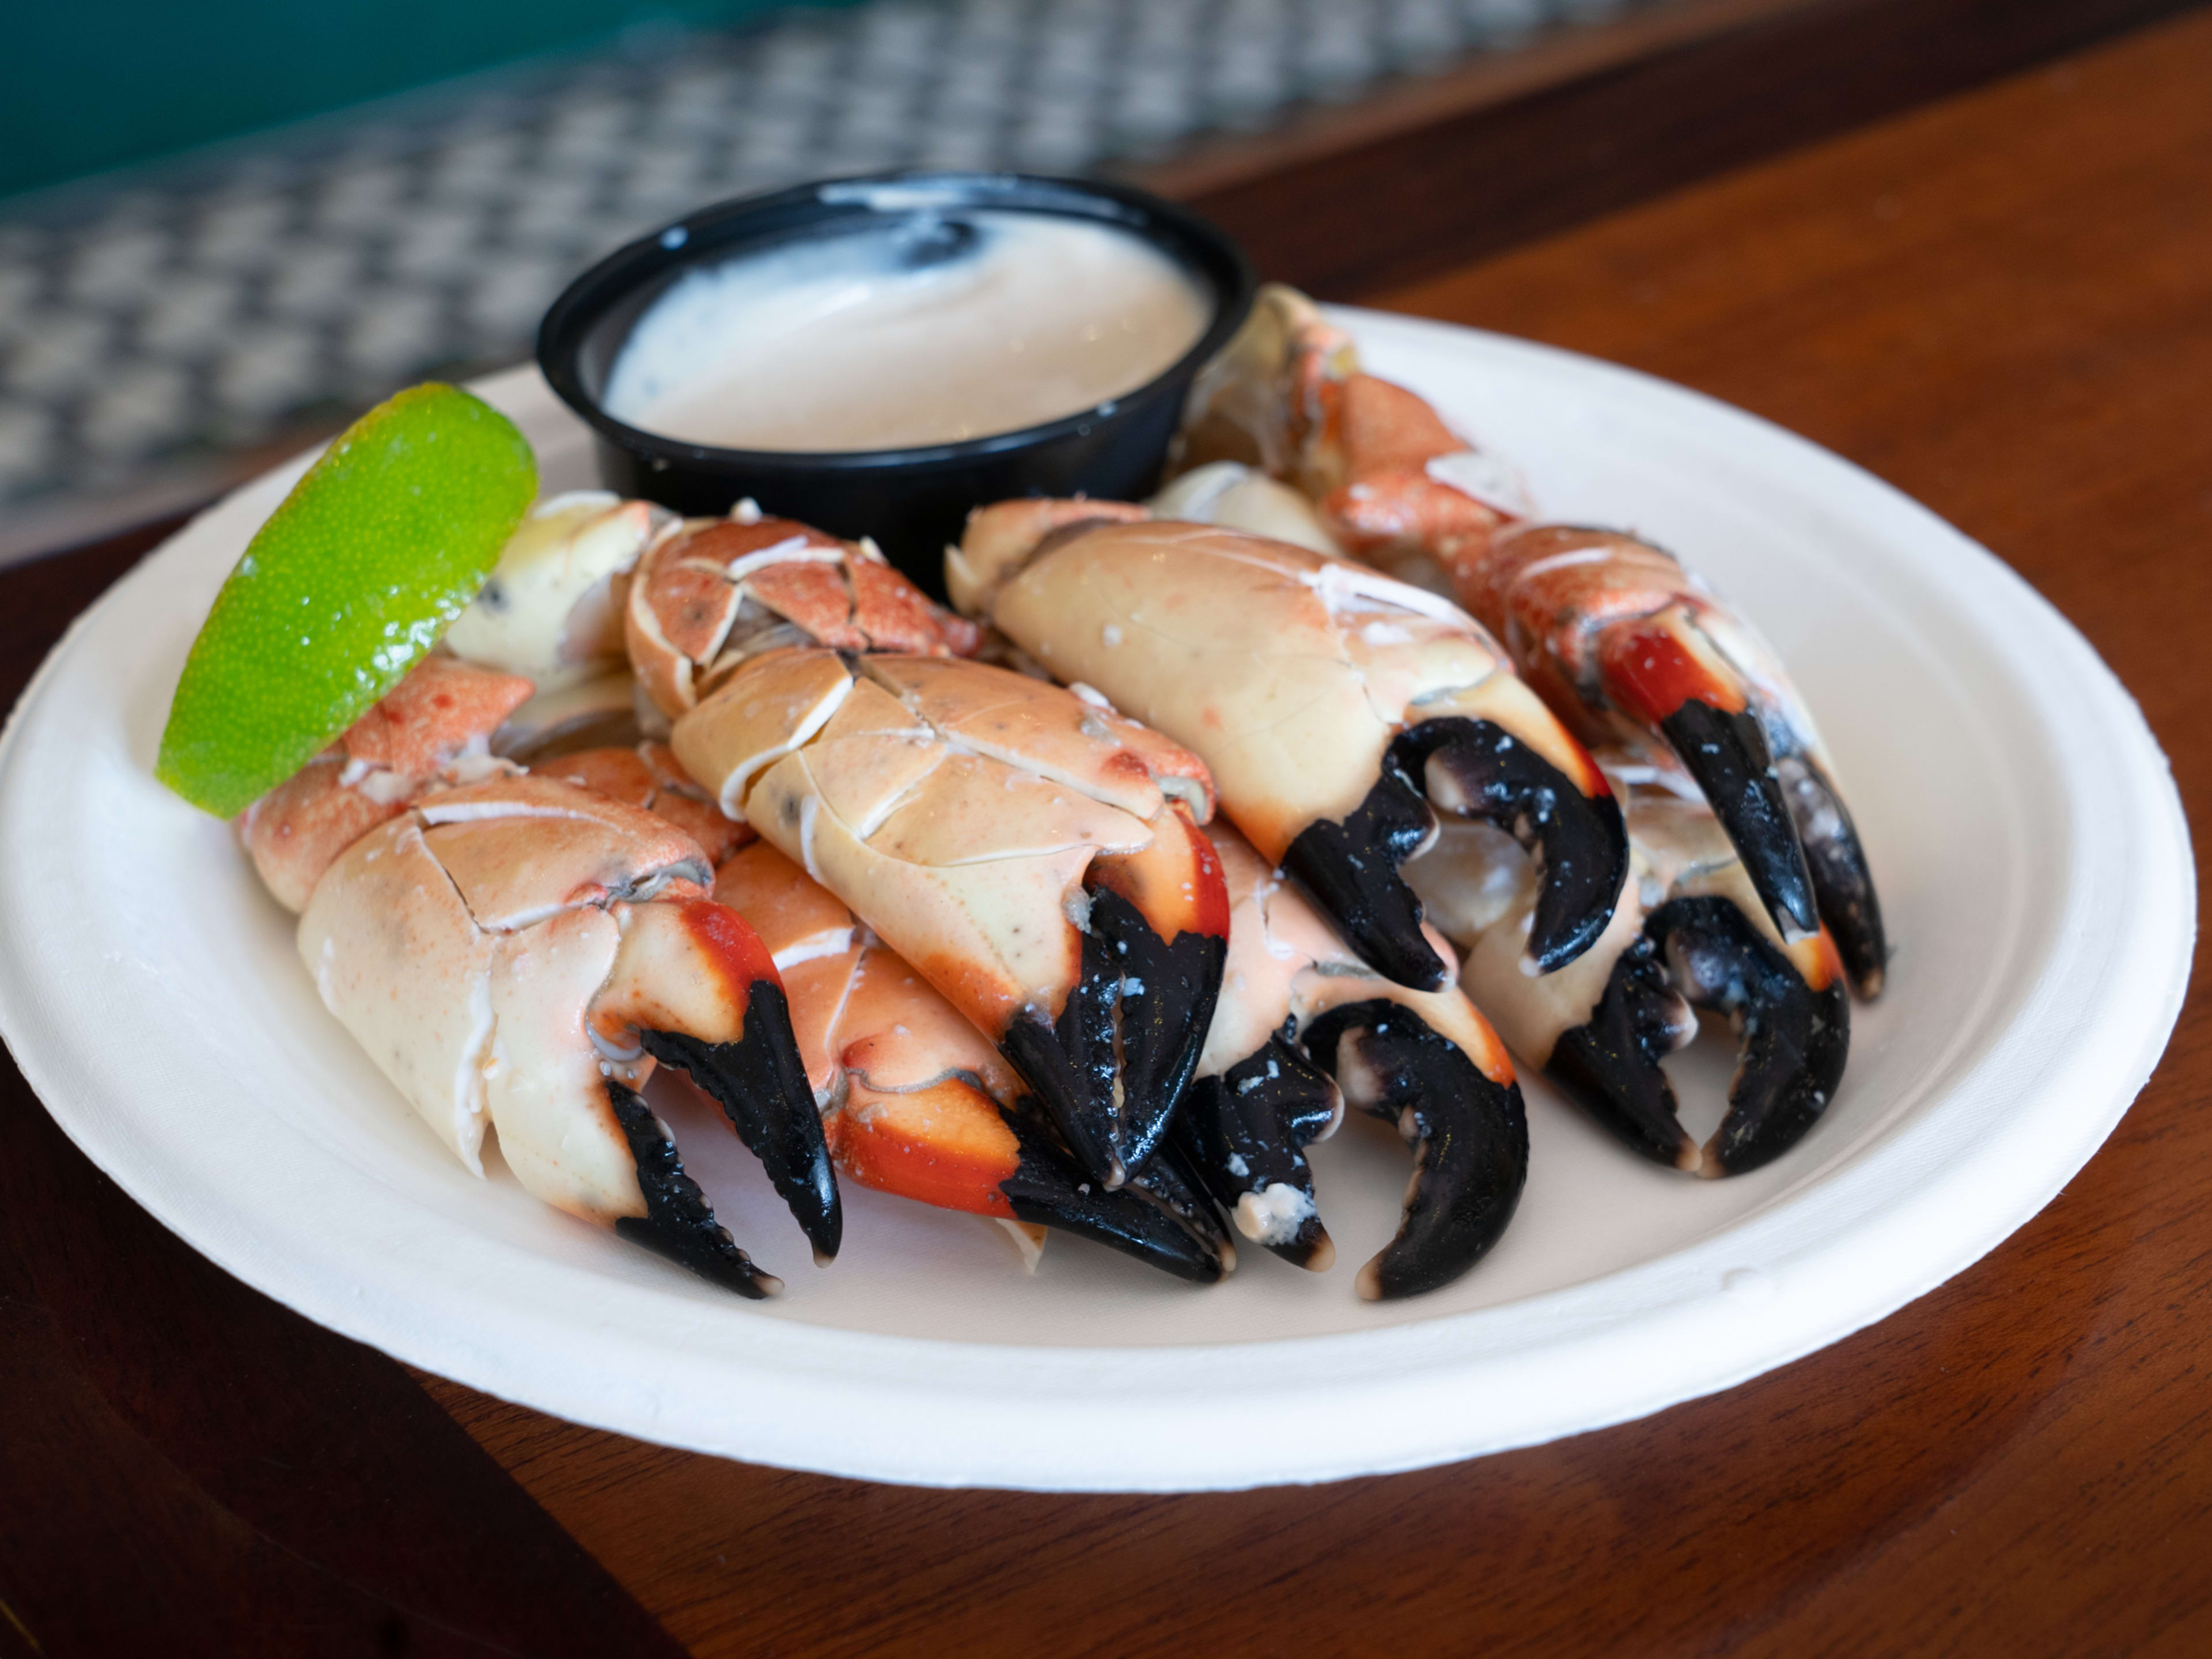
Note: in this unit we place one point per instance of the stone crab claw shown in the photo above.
(1690, 931)
(429, 732)
(517, 955)
(1034, 856)
(1234, 497)
(1631, 651)
(1388, 481)
(1304, 1026)
(553, 608)
(721, 590)
(916, 1102)
(1335, 706)
(1651, 665)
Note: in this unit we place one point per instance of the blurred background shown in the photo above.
(228, 226)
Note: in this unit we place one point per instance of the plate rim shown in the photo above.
(1411, 1372)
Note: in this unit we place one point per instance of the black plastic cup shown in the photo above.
(912, 501)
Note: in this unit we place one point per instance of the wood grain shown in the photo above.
(2004, 305)
(1570, 50)
(1360, 218)
(188, 1469)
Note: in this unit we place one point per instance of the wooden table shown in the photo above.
(2002, 303)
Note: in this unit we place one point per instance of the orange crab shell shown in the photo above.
(917, 1114)
(440, 704)
(296, 831)
(650, 776)
(688, 591)
(1368, 470)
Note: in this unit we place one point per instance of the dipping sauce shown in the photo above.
(925, 330)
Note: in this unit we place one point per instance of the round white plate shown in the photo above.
(2032, 861)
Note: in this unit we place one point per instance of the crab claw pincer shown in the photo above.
(517, 955)
(1691, 931)
(1304, 1029)
(1647, 662)
(1034, 856)
(1632, 652)
(916, 1102)
(1335, 706)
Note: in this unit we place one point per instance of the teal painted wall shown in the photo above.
(90, 84)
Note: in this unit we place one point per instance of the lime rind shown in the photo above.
(348, 585)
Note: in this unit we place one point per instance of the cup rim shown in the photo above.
(710, 231)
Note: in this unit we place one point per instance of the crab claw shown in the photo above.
(754, 1076)
(1690, 931)
(1610, 1062)
(1032, 855)
(1794, 1024)
(1246, 1129)
(516, 955)
(432, 729)
(1479, 769)
(1159, 1215)
(1613, 632)
(950, 1144)
(1334, 705)
(1841, 880)
(679, 1223)
(1469, 1132)
(915, 1102)
(1112, 1068)
(1647, 662)
(1658, 668)
(1298, 1009)
(718, 590)
(1792, 1017)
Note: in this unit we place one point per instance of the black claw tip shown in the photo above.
(1469, 1136)
(1728, 755)
(1155, 1218)
(1842, 882)
(1609, 1064)
(1350, 865)
(677, 1222)
(1794, 1039)
(1479, 770)
(1140, 1011)
(1245, 1131)
(1171, 1183)
(760, 1085)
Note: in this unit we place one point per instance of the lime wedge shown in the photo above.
(352, 579)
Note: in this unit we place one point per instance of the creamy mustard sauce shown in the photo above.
(928, 330)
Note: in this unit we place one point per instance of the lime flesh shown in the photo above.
(350, 581)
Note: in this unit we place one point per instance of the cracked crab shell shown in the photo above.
(955, 806)
(462, 945)
(692, 589)
(1289, 671)
(909, 1089)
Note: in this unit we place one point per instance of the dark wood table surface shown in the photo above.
(2000, 300)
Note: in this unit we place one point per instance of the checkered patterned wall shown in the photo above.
(150, 319)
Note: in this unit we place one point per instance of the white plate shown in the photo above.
(2032, 861)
